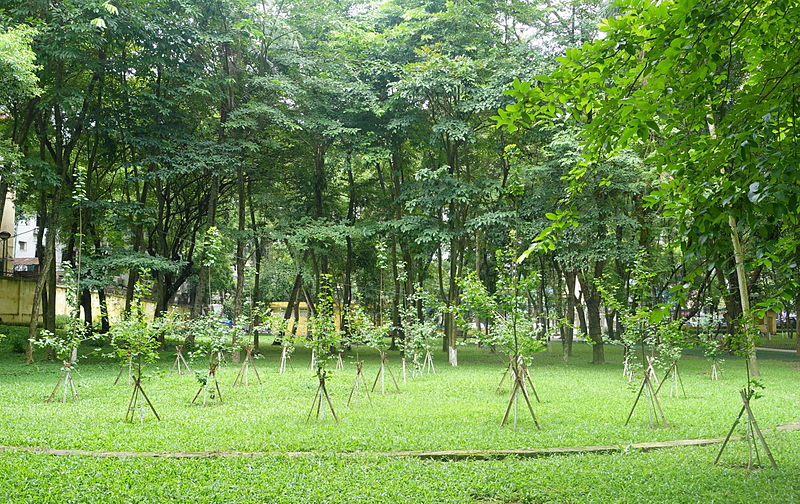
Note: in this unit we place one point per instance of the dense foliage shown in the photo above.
(241, 151)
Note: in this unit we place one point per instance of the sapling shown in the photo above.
(359, 333)
(376, 336)
(246, 327)
(670, 349)
(287, 342)
(511, 329)
(742, 344)
(135, 341)
(325, 342)
(212, 341)
(643, 322)
(64, 343)
(421, 333)
(712, 347)
(176, 326)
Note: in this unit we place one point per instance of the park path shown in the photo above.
(436, 455)
(782, 350)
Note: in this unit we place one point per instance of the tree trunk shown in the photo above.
(569, 332)
(258, 249)
(610, 316)
(347, 294)
(3, 195)
(46, 264)
(744, 294)
(202, 299)
(105, 324)
(238, 297)
(86, 303)
(138, 246)
(592, 299)
(291, 306)
(797, 323)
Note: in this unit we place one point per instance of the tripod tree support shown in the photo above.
(653, 404)
(243, 377)
(134, 404)
(427, 365)
(180, 362)
(68, 389)
(672, 372)
(206, 383)
(360, 382)
(384, 367)
(321, 398)
(754, 434)
(519, 386)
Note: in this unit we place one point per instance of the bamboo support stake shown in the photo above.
(243, 377)
(180, 362)
(359, 381)
(210, 377)
(519, 385)
(320, 396)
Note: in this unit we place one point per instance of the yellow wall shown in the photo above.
(16, 302)
(279, 308)
(16, 296)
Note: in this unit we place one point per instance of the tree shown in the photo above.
(690, 81)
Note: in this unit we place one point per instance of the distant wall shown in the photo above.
(16, 302)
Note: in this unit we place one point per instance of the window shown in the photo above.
(23, 246)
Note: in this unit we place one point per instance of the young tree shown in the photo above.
(135, 341)
(325, 344)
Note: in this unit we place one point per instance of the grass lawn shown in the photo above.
(458, 408)
(785, 339)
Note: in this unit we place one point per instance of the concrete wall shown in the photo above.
(16, 302)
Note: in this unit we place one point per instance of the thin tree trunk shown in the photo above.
(592, 299)
(258, 248)
(44, 274)
(797, 323)
(741, 277)
(569, 332)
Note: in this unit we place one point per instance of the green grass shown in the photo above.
(456, 409)
(785, 339)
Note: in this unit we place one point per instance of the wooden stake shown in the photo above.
(673, 373)
(319, 396)
(122, 368)
(509, 369)
(243, 377)
(753, 432)
(381, 374)
(527, 373)
(133, 404)
(360, 380)
(180, 362)
(653, 404)
(284, 359)
(212, 375)
(519, 385)
(427, 365)
(68, 388)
